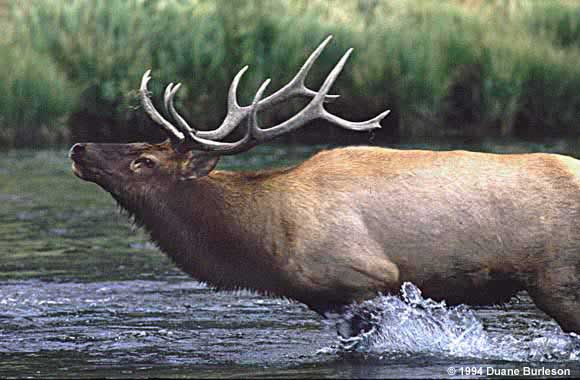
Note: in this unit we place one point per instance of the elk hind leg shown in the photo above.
(559, 297)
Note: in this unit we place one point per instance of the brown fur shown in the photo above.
(349, 223)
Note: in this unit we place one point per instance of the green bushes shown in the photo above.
(477, 70)
(501, 68)
(555, 20)
(34, 95)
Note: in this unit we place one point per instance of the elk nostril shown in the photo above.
(77, 149)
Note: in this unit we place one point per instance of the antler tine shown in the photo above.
(315, 109)
(367, 125)
(247, 142)
(166, 97)
(295, 87)
(235, 113)
(153, 113)
(224, 148)
(232, 93)
(187, 130)
(318, 102)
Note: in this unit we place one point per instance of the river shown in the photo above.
(84, 294)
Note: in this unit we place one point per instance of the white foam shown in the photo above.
(411, 324)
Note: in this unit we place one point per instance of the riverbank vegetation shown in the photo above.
(446, 68)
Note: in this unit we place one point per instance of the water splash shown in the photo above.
(411, 324)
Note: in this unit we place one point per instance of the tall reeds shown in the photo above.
(445, 67)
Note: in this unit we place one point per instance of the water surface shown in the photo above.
(83, 294)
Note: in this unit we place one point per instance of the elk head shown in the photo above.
(190, 154)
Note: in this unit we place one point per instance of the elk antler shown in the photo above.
(205, 140)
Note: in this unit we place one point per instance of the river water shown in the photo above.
(83, 294)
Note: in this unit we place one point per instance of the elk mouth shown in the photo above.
(82, 165)
(77, 170)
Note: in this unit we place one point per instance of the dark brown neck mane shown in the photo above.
(194, 229)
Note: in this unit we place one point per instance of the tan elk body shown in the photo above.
(349, 223)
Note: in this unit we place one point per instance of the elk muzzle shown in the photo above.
(90, 161)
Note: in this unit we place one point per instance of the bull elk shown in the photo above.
(348, 223)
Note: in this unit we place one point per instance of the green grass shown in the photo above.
(499, 67)
(35, 96)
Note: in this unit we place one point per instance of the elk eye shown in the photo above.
(145, 162)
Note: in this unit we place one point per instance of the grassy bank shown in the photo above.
(469, 68)
(35, 95)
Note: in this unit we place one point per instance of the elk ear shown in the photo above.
(198, 167)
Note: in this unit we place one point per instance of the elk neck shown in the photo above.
(210, 227)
